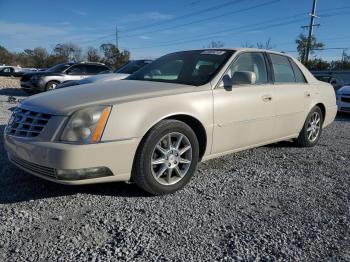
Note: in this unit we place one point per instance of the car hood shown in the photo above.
(67, 100)
(104, 77)
(344, 90)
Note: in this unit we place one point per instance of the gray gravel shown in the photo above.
(274, 203)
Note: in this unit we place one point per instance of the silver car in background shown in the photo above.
(120, 73)
(47, 80)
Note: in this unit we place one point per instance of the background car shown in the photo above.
(48, 80)
(343, 99)
(11, 71)
(336, 78)
(118, 74)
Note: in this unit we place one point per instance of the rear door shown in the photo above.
(292, 95)
(244, 115)
(96, 69)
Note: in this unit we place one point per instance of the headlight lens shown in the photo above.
(86, 125)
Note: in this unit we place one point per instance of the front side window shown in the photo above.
(253, 62)
(190, 67)
(282, 68)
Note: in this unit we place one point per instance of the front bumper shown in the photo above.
(44, 159)
(33, 86)
(343, 106)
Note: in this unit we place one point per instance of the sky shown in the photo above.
(149, 29)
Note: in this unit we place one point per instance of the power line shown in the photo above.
(182, 25)
(116, 36)
(195, 13)
(257, 26)
(311, 30)
(218, 35)
(204, 19)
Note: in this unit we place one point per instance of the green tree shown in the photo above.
(318, 64)
(5, 56)
(92, 55)
(68, 52)
(302, 41)
(113, 57)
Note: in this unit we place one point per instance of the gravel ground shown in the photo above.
(9, 82)
(273, 203)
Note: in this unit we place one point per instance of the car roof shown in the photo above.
(240, 49)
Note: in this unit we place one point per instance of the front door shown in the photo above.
(244, 116)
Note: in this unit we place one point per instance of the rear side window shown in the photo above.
(96, 69)
(299, 76)
(282, 69)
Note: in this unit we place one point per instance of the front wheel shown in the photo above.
(51, 85)
(312, 129)
(166, 158)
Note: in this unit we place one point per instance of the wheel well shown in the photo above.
(323, 109)
(197, 128)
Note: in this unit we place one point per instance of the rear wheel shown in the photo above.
(312, 129)
(166, 158)
(51, 85)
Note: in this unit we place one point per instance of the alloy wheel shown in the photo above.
(171, 158)
(314, 127)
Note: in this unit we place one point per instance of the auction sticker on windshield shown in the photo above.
(213, 52)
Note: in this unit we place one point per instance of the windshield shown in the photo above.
(190, 67)
(132, 67)
(58, 68)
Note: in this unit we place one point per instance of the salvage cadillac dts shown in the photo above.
(155, 126)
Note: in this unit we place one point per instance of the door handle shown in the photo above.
(307, 94)
(267, 98)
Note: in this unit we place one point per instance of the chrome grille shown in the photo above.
(35, 168)
(25, 123)
(345, 99)
(345, 109)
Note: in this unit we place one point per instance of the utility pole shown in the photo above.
(311, 31)
(116, 36)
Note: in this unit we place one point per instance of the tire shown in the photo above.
(154, 147)
(51, 85)
(304, 139)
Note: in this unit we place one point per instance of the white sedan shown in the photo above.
(343, 99)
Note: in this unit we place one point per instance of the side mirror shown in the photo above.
(227, 82)
(243, 78)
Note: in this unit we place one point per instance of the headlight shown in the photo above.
(86, 126)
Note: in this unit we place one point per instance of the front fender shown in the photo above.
(134, 119)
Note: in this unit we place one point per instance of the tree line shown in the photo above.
(110, 55)
(40, 57)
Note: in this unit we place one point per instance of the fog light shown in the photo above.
(84, 173)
